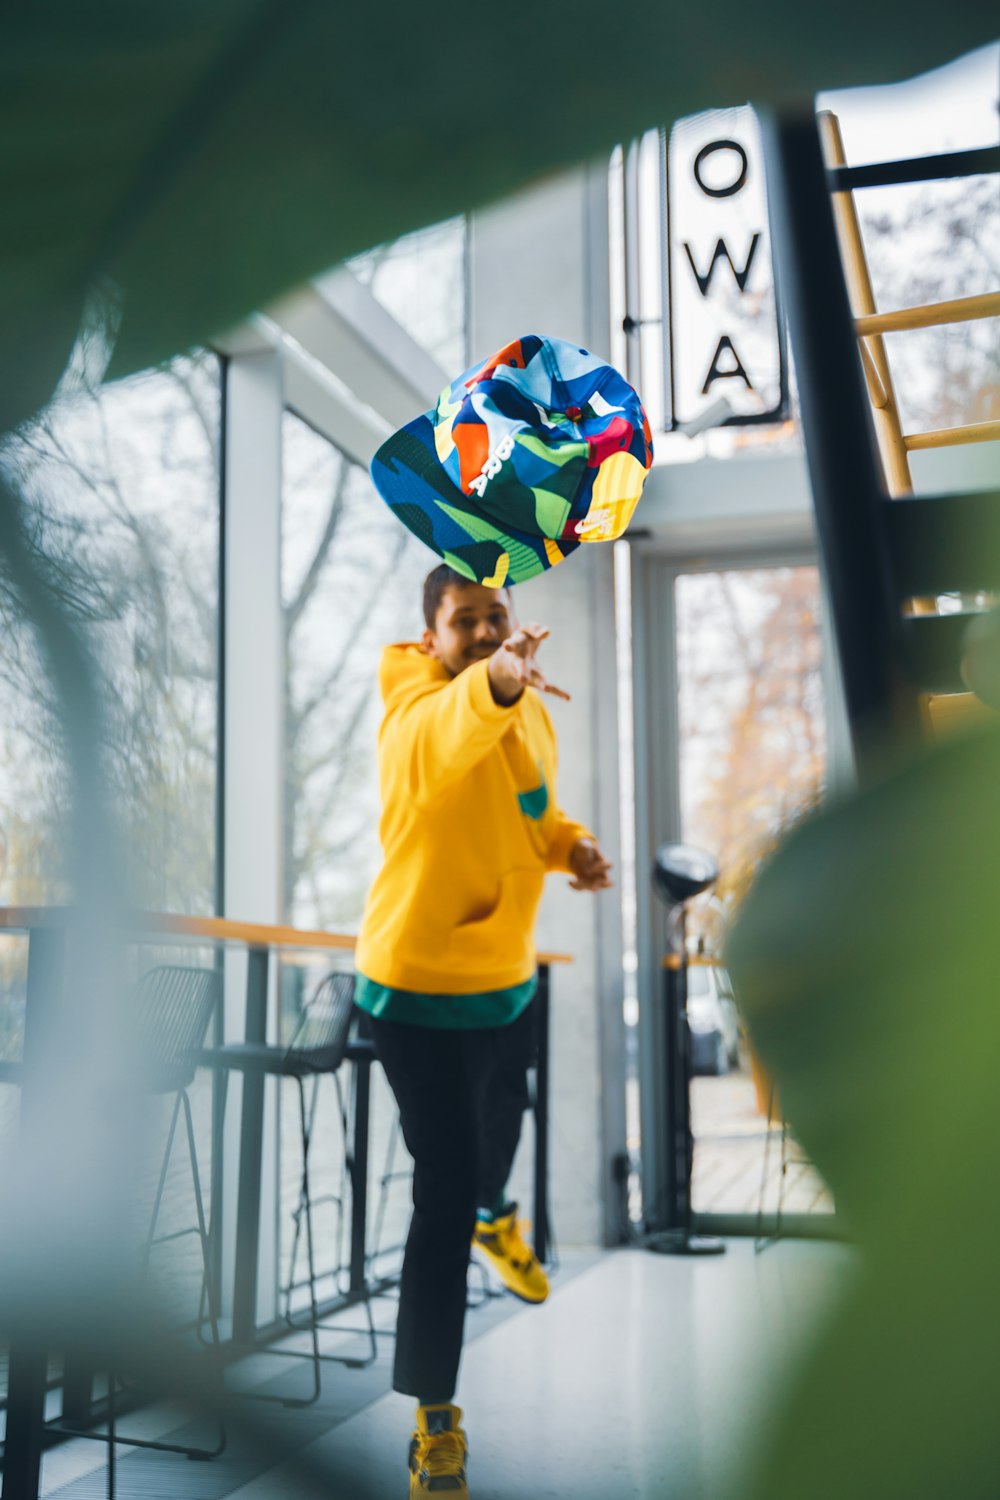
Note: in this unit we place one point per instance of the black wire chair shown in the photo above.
(317, 1049)
(174, 1005)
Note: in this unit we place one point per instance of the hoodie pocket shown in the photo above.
(504, 934)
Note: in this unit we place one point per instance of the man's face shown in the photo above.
(471, 622)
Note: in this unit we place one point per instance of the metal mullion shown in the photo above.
(666, 273)
(633, 289)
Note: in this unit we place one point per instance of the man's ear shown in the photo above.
(429, 644)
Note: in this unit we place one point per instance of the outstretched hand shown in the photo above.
(513, 667)
(590, 869)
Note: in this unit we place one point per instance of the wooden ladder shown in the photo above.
(941, 713)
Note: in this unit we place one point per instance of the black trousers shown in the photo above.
(461, 1095)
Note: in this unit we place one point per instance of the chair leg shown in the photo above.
(111, 1436)
(341, 1198)
(304, 1210)
(354, 1364)
(342, 1189)
(203, 1239)
(151, 1236)
(306, 1204)
(304, 1214)
(203, 1294)
(201, 1230)
(306, 1198)
(203, 1235)
(299, 1212)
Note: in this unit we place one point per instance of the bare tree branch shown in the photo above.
(293, 611)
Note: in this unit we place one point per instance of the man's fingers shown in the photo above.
(591, 883)
(521, 648)
(594, 861)
(533, 676)
(590, 867)
(526, 640)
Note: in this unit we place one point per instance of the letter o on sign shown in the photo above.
(737, 183)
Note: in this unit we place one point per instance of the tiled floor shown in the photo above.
(643, 1376)
(740, 1165)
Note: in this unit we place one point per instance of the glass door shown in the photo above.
(751, 762)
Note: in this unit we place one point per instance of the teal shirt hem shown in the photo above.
(445, 1012)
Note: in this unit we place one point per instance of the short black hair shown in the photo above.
(435, 584)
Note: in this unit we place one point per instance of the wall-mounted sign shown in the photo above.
(724, 335)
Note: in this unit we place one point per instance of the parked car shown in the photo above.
(713, 1020)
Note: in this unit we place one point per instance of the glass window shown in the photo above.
(421, 280)
(123, 492)
(932, 241)
(752, 730)
(122, 486)
(351, 582)
(925, 242)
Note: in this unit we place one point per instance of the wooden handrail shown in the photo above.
(931, 314)
(704, 960)
(203, 929)
(953, 437)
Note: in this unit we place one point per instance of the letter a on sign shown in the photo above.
(718, 373)
(722, 332)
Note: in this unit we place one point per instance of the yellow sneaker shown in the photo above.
(501, 1243)
(438, 1453)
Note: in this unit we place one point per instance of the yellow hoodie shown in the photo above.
(469, 828)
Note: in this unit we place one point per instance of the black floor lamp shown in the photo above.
(679, 872)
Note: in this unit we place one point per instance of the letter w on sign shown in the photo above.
(722, 252)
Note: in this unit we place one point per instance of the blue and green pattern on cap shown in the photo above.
(535, 450)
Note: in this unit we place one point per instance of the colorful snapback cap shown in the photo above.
(535, 450)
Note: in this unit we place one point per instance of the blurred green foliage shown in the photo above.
(202, 156)
(868, 962)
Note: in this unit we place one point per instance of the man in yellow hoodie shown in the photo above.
(446, 964)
